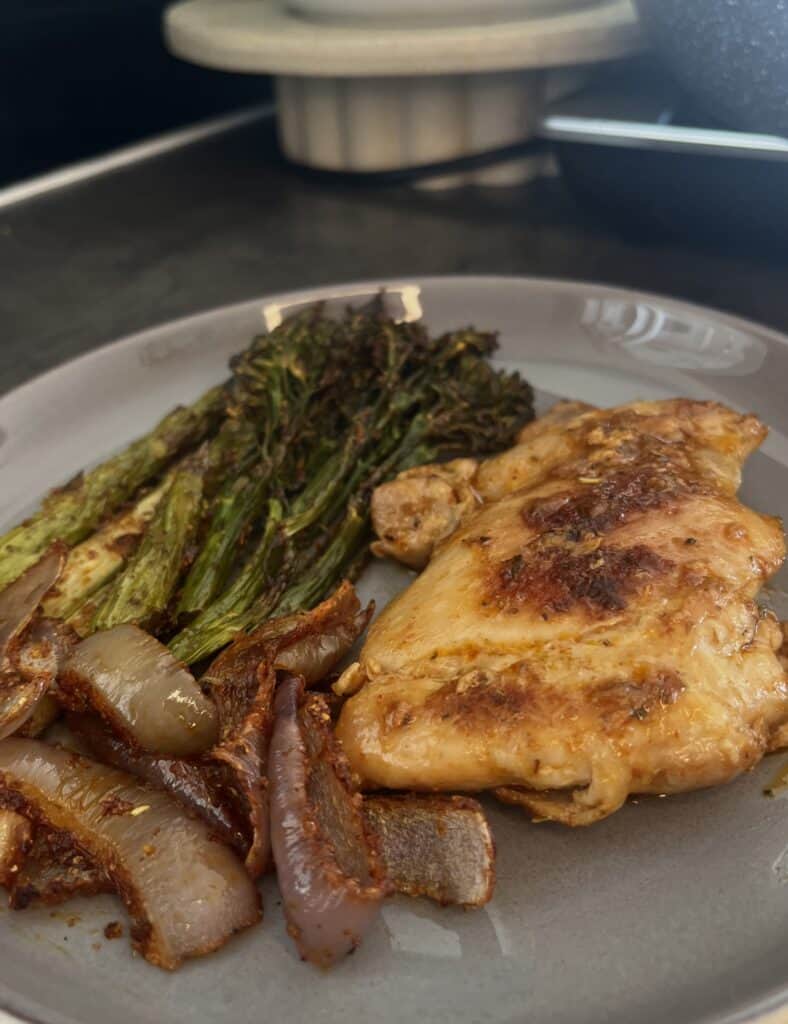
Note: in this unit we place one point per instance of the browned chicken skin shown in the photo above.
(586, 626)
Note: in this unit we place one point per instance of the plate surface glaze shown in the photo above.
(670, 911)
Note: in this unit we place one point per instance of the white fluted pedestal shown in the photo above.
(360, 94)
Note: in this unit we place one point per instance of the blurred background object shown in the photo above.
(374, 93)
(80, 77)
(730, 55)
(397, 85)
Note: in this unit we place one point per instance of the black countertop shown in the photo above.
(227, 219)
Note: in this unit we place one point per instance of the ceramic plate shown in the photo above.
(672, 911)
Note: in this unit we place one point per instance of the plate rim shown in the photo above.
(317, 292)
(15, 1008)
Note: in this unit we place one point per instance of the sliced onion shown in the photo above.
(43, 651)
(243, 751)
(200, 786)
(185, 892)
(317, 834)
(42, 717)
(59, 734)
(16, 834)
(17, 704)
(144, 694)
(18, 604)
(315, 642)
(440, 847)
(241, 681)
(20, 599)
(56, 869)
(44, 866)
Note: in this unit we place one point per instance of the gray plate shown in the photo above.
(671, 911)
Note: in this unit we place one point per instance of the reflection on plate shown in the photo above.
(684, 341)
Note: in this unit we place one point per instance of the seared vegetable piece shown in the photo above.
(55, 869)
(44, 714)
(70, 513)
(142, 592)
(241, 682)
(185, 893)
(16, 835)
(42, 653)
(319, 579)
(19, 603)
(44, 648)
(19, 694)
(44, 866)
(435, 846)
(96, 560)
(144, 588)
(201, 786)
(146, 697)
(229, 614)
(329, 873)
(236, 508)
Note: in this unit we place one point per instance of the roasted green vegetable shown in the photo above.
(270, 512)
(96, 560)
(141, 593)
(411, 399)
(70, 513)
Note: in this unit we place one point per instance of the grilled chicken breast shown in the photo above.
(586, 624)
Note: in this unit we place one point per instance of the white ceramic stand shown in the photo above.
(365, 96)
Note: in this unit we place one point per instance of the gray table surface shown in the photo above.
(226, 220)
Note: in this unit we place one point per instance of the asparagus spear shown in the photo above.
(236, 507)
(316, 583)
(219, 623)
(142, 592)
(145, 587)
(96, 560)
(82, 617)
(70, 513)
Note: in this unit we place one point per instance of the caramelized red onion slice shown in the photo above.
(242, 754)
(19, 602)
(185, 892)
(440, 847)
(328, 910)
(199, 786)
(317, 641)
(143, 693)
(16, 834)
(241, 681)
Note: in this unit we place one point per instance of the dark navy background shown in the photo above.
(78, 77)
